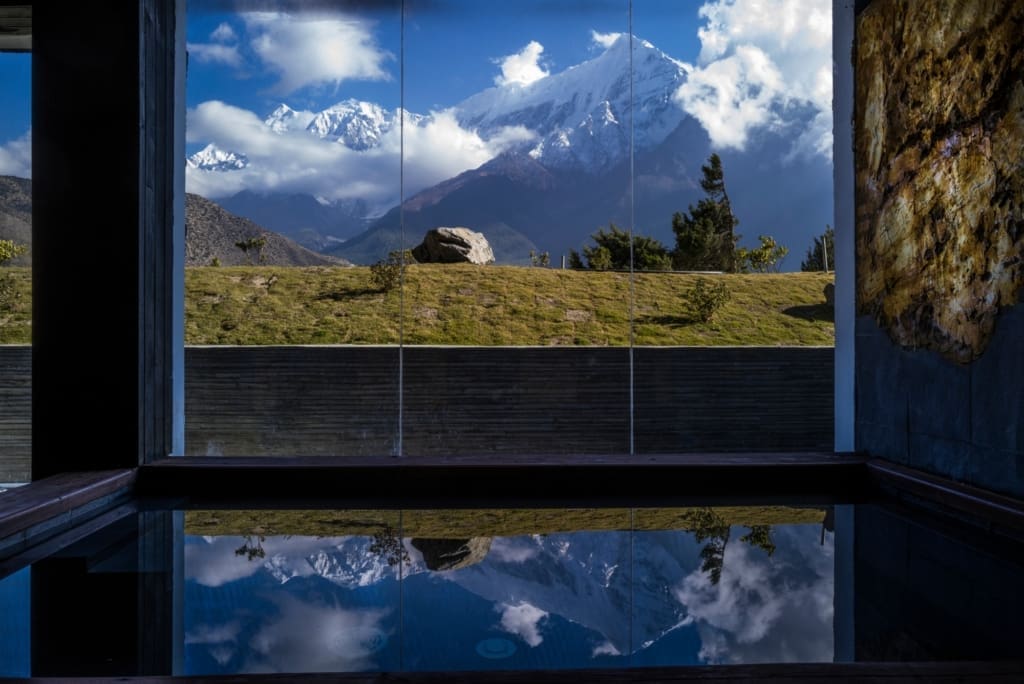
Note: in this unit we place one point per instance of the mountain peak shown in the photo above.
(585, 115)
(213, 158)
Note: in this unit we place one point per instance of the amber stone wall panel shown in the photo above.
(939, 153)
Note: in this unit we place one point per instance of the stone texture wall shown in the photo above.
(939, 154)
(478, 400)
(940, 169)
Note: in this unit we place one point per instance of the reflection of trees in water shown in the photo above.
(388, 544)
(711, 527)
(251, 550)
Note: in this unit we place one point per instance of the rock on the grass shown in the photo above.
(452, 246)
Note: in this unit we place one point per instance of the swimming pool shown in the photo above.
(222, 591)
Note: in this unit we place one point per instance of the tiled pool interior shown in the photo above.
(236, 591)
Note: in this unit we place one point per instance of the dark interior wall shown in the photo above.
(918, 594)
(101, 227)
(939, 134)
(85, 155)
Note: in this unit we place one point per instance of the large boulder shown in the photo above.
(452, 554)
(453, 246)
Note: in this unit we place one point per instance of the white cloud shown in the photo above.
(513, 549)
(214, 53)
(761, 63)
(523, 620)
(766, 609)
(605, 40)
(224, 34)
(213, 634)
(311, 50)
(605, 648)
(16, 156)
(523, 67)
(317, 638)
(435, 149)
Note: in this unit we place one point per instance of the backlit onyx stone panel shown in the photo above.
(940, 169)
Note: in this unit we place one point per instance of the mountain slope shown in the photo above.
(599, 142)
(211, 233)
(16, 214)
(585, 115)
(313, 224)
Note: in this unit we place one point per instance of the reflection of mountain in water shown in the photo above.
(628, 590)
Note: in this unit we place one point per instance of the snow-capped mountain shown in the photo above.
(284, 119)
(584, 115)
(212, 158)
(562, 170)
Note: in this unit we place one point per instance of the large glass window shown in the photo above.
(425, 228)
(15, 265)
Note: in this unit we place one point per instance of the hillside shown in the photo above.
(497, 305)
(16, 214)
(488, 306)
(211, 233)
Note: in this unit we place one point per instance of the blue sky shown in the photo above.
(755, 68)
(452, 48)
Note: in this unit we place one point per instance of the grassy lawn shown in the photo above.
(461, 524)
(471, 305)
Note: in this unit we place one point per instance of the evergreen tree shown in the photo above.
(705, 235)
(821, 254)
(611, 251)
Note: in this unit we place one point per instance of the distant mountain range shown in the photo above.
(570, 176)
(210, 232)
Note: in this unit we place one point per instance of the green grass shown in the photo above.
(462, 524)
(472, 305)
(497, 305)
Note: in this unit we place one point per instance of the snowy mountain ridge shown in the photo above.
(583, 117)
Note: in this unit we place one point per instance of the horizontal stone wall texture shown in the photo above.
(15, 413)
(487, 400)
(344, 401)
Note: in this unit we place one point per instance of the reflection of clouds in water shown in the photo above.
(222, 654)
(317, 638)
(513, 549)
(523, 620)
(213, 634)
(764, 608)
(605, 648)
(211, 561)
(221, 640)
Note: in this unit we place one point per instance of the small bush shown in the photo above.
(387, 273)
(540, 260)
(402, 257)
(707, 299)
(9, 249)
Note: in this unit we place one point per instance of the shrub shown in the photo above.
(9, 249)
(707, 299)
(386, 274)
(541, 259)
